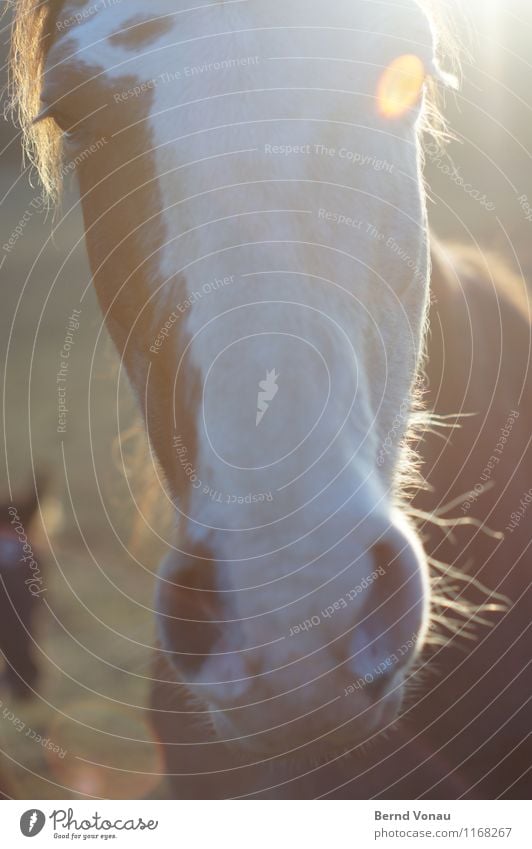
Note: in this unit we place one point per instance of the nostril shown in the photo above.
(401, 582)
(385, 555)
(393, 615)
(187, 618)
(189, 640)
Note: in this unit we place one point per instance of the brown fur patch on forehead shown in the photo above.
(140, 32)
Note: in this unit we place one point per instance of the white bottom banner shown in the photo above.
(260, 824)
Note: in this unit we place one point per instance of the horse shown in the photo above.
(255, 219)
(466, 734)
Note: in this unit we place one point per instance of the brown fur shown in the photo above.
(140, 32)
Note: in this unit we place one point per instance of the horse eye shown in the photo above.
(63, 121)
(401, 85)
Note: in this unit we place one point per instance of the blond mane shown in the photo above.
(32, 34)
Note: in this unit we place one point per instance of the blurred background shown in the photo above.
(95, 627)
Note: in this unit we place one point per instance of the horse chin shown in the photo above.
(352, 738)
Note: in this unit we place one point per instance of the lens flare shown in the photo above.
(400, 86)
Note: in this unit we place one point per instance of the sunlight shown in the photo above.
(400, 86)
(482, 10)
(489, 21)
(486, 6)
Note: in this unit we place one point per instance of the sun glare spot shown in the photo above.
(400, 86)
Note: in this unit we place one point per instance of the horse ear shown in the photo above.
(443, 77)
